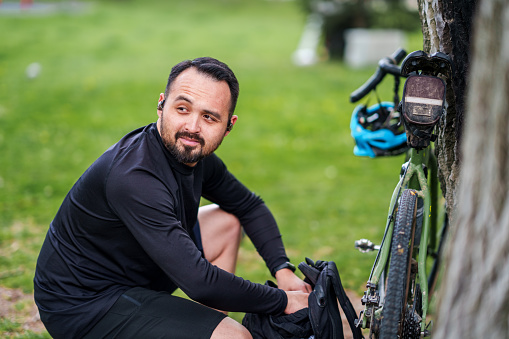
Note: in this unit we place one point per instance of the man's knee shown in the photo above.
(230, 329)
(234, 229)
(220, 222)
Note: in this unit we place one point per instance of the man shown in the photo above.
(130, 231)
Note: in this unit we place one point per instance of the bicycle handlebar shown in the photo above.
(385, 65)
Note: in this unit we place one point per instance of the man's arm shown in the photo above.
(221, 187)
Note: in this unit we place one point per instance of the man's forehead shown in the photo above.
(192, 80)
(192, 74)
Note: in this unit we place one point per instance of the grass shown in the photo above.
(101, 74)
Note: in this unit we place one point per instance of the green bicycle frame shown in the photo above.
(413, 178)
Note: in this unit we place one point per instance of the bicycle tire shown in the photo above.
(398, 280)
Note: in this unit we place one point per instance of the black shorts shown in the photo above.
(143, 313)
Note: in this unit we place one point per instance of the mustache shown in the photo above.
(188, 135)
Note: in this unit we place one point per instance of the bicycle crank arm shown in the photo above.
(364, 246)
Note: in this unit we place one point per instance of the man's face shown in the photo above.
(195, 115)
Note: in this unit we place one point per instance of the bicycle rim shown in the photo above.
(401, 289)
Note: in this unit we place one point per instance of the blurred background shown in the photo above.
(75, 76)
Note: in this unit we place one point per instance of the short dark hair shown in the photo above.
(213, 68)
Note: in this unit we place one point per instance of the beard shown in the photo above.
(184, 153)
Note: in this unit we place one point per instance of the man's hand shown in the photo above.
(288, 281)
(296, 290)
(296, 301)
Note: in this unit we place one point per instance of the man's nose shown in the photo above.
(193, 123)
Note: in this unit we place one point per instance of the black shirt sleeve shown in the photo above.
(222, 188)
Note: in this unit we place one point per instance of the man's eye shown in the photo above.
(209, 117)
(182, 109)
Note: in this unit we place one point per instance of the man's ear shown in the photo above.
(232, 122)
(160, 104)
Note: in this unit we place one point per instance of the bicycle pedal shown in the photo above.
(365, 245)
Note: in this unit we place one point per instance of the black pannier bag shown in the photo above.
(321, 320)
(422, 106)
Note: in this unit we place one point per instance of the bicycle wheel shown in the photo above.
(400, 309)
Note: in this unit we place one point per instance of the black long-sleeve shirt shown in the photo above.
(127, 222)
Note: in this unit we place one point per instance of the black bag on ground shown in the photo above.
(321, 320)
(287, 326)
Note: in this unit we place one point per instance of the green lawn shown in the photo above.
(101, 73)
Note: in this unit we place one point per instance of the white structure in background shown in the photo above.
(365, 47)
(33, 70)
(306, 53)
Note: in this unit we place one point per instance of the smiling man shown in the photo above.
(130, 231)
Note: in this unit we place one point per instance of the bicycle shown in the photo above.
(399, 289)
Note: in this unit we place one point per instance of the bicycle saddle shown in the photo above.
(437, 63)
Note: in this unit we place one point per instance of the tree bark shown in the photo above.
(474, 298)
(446, 28)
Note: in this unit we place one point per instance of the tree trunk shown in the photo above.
(474, 300)
(446, 28)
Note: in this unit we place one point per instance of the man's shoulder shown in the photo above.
(136, 147)
(132, 140)
(138, 165)
(138, 154)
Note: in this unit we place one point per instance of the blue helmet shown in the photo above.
(377, 130)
